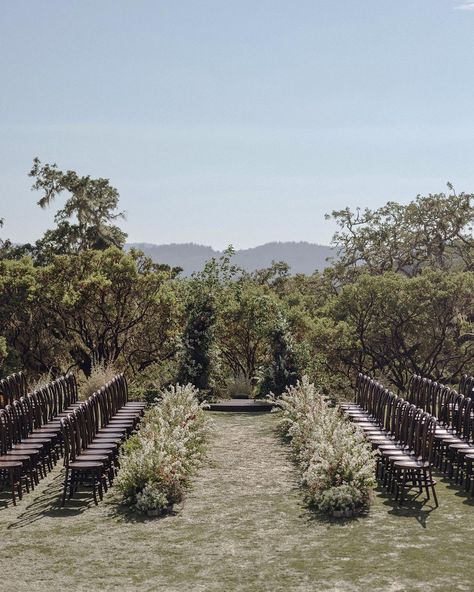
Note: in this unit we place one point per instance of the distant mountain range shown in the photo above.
(302, 257)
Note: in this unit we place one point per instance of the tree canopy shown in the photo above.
(87, 219)
(432, 231)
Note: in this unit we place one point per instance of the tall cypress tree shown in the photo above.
(282, 369)
(198, 341)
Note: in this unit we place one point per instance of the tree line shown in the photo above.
(397, 300)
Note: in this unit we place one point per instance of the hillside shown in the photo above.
(302, 257)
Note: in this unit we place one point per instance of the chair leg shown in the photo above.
(404, 477)
(20, 488)
(63, 502)
(12, 484)
(435, 497)
(425, 479)
(94, 492)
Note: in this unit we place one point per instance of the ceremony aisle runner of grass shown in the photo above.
(243, 527)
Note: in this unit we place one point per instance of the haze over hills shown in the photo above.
(302, 257)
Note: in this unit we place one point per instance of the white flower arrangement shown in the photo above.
(337, 464)
(157, 462)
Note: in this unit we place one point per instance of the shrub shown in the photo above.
(3, 350)
(42, 381)
(282, 370)
(337, 464)
(101, 373)
(198, 345)
(157, 462)
(147, 384)
(239, 385)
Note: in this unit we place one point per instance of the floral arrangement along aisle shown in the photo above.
(337, 464)
(157, 462)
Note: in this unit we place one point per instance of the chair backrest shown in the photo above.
(5, 432)
(458, 411)
(12, 388)
(414, 390)
(412, 415)
(86, 423)
(426, 433)
(362, 385)
(389, 405)
(400, 420)
(466, 385)
(69, 440)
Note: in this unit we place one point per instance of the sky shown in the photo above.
(235, 121)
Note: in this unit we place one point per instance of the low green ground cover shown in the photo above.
(244, 526)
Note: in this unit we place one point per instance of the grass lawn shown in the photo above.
(243, 526)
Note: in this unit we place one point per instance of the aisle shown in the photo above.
(246, 501)
(242, 528)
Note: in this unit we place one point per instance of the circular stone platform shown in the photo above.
(241, 405)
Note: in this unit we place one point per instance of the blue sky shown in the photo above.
(236, 121)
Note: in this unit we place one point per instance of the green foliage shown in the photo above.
(198, 343)
(238, 385)
(157, 463)
(398, 301)
(101, 373)
(336, 463)
(92, 308)
(282, 370)
(85, 221)
(3, 350)
(147, 384)
(432, 231)
(396, 326)
(246, 313)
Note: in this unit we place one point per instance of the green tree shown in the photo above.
(394, 326)
(246, 313)
(432, 231)
(282, 368)
(198, 344)
(3, 351)
(94, 307)
(86, 221)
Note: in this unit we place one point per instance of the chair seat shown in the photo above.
(107, 435)
(8, 457)
(31, 446)
(447, 436)
(448, 440)
(105, 448)
(44, 434)
(10, 464)
(392, 444)
(412, 464)
(120, 423)
(468, 450)
(459, 445)
(395, 452)
(81, 466)
(38, 439)
(110, 441)
(91, 457)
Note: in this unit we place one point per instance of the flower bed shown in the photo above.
(157, 462)
(337, 465)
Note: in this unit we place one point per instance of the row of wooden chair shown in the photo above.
(92, 435)
(400, 432)
(12, 388)
(454, 440)
(30, 434)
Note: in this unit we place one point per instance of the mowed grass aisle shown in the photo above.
(244, 526)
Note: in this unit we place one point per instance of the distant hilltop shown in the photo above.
(302, 257)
